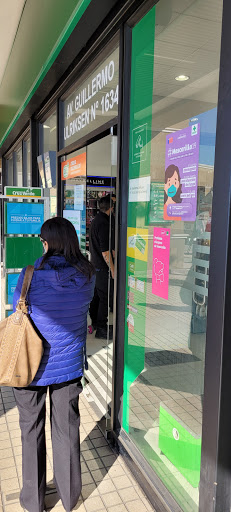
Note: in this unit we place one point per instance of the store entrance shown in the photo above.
(89, 200)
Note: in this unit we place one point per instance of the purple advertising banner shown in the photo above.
(181, 174)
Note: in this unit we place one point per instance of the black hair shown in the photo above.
(171, 169)
(62, 239)
(105, 203)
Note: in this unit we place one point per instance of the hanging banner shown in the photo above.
(181, 174)
(41, 170)
(160, 266)
(48, 169)
(76, 166)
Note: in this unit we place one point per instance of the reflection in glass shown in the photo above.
(9, 171)
(165, 352)
(73, 173)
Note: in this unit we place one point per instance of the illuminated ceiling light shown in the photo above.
(182, 78)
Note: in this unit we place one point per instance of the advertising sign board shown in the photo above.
(24, 218)
(23, 192)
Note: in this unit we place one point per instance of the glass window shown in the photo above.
(73, 175)
(9, 171)
(174, 91)
(50, 133)
(94, 101)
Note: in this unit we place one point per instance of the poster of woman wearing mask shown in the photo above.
(172, 190)
(181, 174)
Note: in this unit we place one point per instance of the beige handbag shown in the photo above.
(21, 347)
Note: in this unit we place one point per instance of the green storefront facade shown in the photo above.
(152, 79)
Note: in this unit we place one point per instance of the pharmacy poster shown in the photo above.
(24, 218)
(12, 280)
(74, 216)
(137, 243)
(181, 174)
(76, 166)
(79, 197)
(160, 264)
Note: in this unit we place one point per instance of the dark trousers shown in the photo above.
(99, 304)
(65, 421)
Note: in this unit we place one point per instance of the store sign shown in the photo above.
(100, 181)
(34, 192)
(24, 218)
(76, 166)
(95, 102)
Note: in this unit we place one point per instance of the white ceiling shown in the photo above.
(187, 41)
(188, 44)
(11, 11)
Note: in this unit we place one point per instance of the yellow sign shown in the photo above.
(137, 243)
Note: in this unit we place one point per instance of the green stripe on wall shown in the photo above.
(140, 114)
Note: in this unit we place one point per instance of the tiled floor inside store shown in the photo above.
(108, 485)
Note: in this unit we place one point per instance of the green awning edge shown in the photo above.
(65, 34)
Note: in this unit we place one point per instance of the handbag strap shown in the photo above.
(26, 282)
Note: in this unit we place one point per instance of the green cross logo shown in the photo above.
(194, 129)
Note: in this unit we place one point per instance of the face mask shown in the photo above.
(171, 191)
(44, 249)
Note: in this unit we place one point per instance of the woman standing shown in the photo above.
(61, 290)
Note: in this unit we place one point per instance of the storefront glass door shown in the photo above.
(89, 178)
(174, 88)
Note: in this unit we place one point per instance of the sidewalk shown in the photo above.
(108, 485)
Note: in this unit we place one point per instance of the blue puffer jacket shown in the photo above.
(59, 298)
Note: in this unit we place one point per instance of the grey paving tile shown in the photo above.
(106, 483)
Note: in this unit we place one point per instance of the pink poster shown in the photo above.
(160, 266)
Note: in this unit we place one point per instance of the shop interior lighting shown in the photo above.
(171, 130)
(182, 78)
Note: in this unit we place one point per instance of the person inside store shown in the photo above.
(61, 290)
(102, 250)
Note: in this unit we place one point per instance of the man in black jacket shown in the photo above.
(102, 256)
